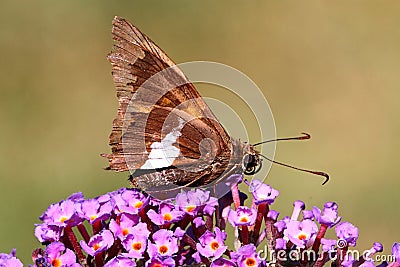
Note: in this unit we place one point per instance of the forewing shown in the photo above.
(162, 121)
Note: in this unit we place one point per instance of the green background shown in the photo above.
(330, 68)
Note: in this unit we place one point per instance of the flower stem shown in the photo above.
(75, 245)
(320, 235)
(322, 259)
(235, 195)
(188, 240)
(244, 234)
(84, 233)
(341, 253)
(261, 211)
(98, 258)
(96, 227)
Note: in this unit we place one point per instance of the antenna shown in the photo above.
(299, 169)
(304, 136)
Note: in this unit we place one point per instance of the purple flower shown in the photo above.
(128, 224)
(396, 251)
(376, 247)
(281, 224)
(60, 214)
(262, 193)
(93, 211)
(348, 260)
(62, 211)
(298, 207)
(280, 244)
(160, 262)
(247, 256)
(198, 221)
(165, 243)
(58, 256)
(179, 233)
(98, 243)
(212, 244)
(242, 216)
(347, 232)
(329, 215)
(76, 197)
(192, 201)
(328, 244)
(273, 215)
(129, 201)
(10, 260)
(45, 232)
(166, 214)
(120, 261)
(308, 215)
(368, 263)
(301, 232)
(221, 262)
(135, 244)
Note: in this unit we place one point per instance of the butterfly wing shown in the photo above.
(162, 122)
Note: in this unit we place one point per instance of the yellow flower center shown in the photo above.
(63, 219)
(138, 204)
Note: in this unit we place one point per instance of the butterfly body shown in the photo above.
(164, 133)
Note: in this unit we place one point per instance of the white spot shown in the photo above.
(163, 153)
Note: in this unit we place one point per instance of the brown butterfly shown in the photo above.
(164, 132)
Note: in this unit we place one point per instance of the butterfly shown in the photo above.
(164, 133)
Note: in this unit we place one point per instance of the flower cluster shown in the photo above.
(130, 228)
(10, 260)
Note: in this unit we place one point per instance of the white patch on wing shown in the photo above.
(163, 153)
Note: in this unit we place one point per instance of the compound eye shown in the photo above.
(250, 165)
(248, 160)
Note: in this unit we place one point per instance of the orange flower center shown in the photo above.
(167, 216)
(163, 249)
(244, 220)
(93, 217)
(250, 262)
(157, 265)
(302, 237)
(96, 246)
(56, 262)
(125, 232)
(214, 245)
(190, 208)
(137, 246)
(138, 204)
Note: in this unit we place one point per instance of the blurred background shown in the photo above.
(330, 68)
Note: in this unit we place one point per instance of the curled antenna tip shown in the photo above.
(326, 177)
(306, 136)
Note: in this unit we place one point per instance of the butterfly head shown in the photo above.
(251, 161)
